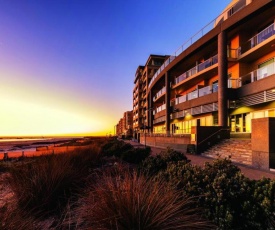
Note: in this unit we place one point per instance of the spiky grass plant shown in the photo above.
(16, 220)
(45, 185)
(128, 201)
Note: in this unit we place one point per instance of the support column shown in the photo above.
(150, 112)
(222, 72)
(167, 101)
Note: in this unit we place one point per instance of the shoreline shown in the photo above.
(27, 144)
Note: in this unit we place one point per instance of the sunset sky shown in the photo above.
(67, 66)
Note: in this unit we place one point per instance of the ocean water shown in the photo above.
(23, 139)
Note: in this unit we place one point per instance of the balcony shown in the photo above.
(198, 68)
(219, 19)
(159, 109)
(158, 120)
(257, 39)
(238, 6)
(257, 74)
(159, 93)
(197, 93)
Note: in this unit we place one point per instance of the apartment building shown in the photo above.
(216, 85)
(124, 128)
(143, 76)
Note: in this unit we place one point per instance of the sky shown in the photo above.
(67, 67)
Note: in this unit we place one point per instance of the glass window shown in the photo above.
(215, 86)
(265, 69)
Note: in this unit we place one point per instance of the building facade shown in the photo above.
(141, 100)
(224, 79)
(124, 128)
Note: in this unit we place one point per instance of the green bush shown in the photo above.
(154, 164)
(222, 191)
(136, 155)
(264, 194)
(115, 148)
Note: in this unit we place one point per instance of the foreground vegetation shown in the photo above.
(110, 185)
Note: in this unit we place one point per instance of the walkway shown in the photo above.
(248, 171)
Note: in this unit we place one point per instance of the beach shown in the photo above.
(33, 146)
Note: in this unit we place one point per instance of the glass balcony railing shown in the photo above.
(257, 39)
(257, 74)
(233, 83)
(159, 93)
(192, 95)
(209, 62)
(204, 91)
(238, 6)
(233, 53)
(196, 93)
(159, 109)
(180, 99)
(223, 16)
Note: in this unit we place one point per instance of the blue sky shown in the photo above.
(67, 66)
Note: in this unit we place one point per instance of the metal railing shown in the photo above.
(196, 93)
(212, 139)
(159, 109)
(257, 39)
(159, 93)
(257, 74)
(209, 62)
(158, 120)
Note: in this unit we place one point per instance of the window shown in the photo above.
(265, 69)
(215, 86)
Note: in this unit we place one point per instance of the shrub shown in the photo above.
(154, 164)
(128, 201)
(221, 190)
(115, 148)
(264, 194)
(136, 155)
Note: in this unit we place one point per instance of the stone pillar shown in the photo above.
(222, 82)
(263, 143)
(167, 101)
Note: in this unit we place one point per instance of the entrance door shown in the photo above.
(238, 123)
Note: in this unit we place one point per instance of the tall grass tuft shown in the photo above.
(128, 201)
(16, 220)
(45, 185)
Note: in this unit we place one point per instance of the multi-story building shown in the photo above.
(124, 128)
(143, 76)
(223, 80)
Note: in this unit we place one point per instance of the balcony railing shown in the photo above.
(239, 5)
(257, 39)
(209, 62)
(159, 109)
(223, 16)
(257, 74)
(233, 53)
(196, 93)
(160, 119)
(159, 93)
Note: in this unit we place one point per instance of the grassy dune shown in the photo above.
(107, 184)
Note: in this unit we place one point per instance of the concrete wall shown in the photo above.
(176, 142)
(263, 142)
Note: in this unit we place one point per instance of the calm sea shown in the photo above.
(23, 139)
